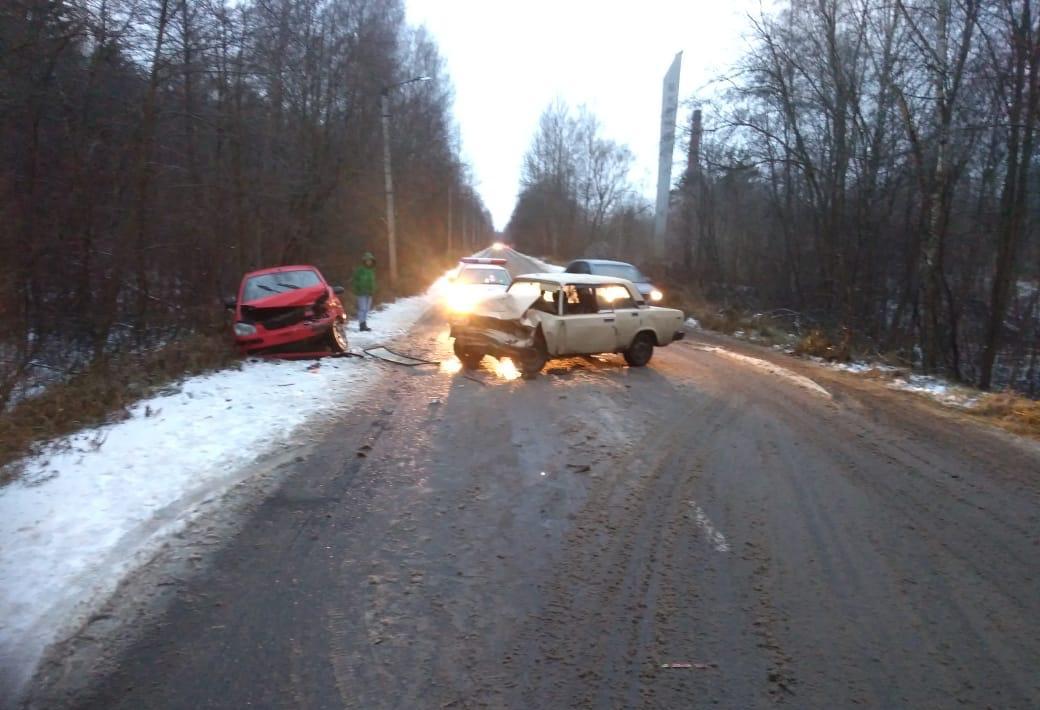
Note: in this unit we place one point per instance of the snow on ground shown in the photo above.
(100, 503)
(857, 368)
(938, 389)
(769, 367)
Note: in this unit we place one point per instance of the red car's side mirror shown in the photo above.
(338, 290)
(230, 303)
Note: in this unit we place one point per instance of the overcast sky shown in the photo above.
(509, 58)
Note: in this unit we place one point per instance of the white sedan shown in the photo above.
(542, 316)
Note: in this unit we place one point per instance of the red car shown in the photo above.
(288, 309)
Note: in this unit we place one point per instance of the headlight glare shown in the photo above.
(459, 302)
(656, 295)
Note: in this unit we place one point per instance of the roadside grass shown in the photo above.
(771, 328)
(103, 392)
(1011, 411)
(818, 343)
(710, 315)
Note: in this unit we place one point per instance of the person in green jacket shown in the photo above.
(364, 285)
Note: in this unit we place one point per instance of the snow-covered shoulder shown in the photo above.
(84, 515)
(771, 368)
(936, 388)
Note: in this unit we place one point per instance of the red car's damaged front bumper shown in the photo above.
(296, 337)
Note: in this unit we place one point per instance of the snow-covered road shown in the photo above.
(101, 502)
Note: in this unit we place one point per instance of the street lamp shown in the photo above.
(391, 236)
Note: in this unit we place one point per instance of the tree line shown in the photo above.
(154, 150)
(873, 162)
(869, 165)
(575, 194)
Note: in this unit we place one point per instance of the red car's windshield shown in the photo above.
(267, 284)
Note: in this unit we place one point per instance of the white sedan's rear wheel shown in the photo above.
(640, 351)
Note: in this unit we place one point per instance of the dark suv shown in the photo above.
(619, 270)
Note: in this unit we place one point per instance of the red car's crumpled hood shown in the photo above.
(299, 297)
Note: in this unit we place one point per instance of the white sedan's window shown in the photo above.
(580, 300)
(615, 296)
(548, 295)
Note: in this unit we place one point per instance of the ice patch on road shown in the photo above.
(101, 501)
(772, 369)
(713, 534)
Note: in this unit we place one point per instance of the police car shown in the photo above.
(475, 279)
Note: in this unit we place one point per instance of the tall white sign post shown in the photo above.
(669, 109)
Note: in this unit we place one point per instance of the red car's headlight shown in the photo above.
(244, 329)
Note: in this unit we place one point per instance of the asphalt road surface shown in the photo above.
(705, 531)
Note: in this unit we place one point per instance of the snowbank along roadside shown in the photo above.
(97, 507)
(769, 367)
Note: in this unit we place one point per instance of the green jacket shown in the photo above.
(364, 283)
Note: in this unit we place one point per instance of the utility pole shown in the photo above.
(465, 237)
(693, 161)
(391, 232)
(391, 227)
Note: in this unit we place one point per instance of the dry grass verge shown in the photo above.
(102, 393)
(711, 316)
(1010, 411)
(820, 344)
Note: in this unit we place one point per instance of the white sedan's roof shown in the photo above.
(562, 278)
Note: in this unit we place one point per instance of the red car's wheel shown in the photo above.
(338, 335)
